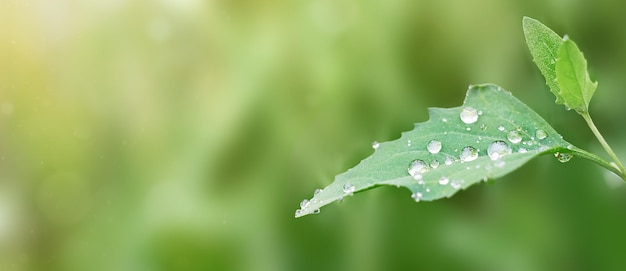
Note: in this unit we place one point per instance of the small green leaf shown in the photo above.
(491, 135)
(573, 78)
(544, 44)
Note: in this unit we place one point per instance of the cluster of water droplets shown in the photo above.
(305, 203)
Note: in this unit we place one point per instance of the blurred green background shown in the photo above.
(182, 134)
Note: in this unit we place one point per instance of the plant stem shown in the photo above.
(596, 159)
(605, 145)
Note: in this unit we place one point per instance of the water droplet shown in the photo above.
(468, 129)
(304, 203)
(540, 134)
(427, 190)
(444, 181)
(501, 128)
(408, 143)
(497, 149)
(416, 196)
(468, 153)
(522, 150)
(417, 168)
(316, 211)
(469, 115)
(562, 157)
(514, 137)
(434, 164)
(375, 144)
(448, 161)
(317, 191)
(348, 188)
(480, 112)
(444, 120)
(569, 147)
(456, 184)
(298, 212)
(434, 146)
(420, 182)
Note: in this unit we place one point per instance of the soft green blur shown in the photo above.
(182, 134)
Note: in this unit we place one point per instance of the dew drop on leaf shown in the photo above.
(562, 157)
(316, 211)
(348, 188)
(456, 184)
(469, 115)
(434, 146)
(514, 137)
(434, 163)
(317, 191)
(448, 161)
(541, 134)
(417, 168)
(497, 149)
(416, 196)
(501, 128)
(444, 181)
(522, 150)
(468, 153)
(375, 144)
(304, 203)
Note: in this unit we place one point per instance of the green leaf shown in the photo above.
(544, 44)
(573, 77)
(491, 119)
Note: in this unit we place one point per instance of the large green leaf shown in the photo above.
(573, 78)
(491, 135)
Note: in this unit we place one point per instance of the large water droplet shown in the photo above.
(417, 168)
(434, 146)
(375, 144)
(469, 115)
(448, 161)
(541, 134)
(514, 137)
(348, 188)
(468, 153)
(497, 149)
(444, 181)
(563, 157)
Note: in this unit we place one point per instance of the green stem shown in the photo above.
(605, 145)
(596, 159)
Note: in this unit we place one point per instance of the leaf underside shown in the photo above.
(501, 118)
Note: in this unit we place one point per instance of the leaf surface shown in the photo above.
(573, 78)
(544, 44)
(503, 132)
